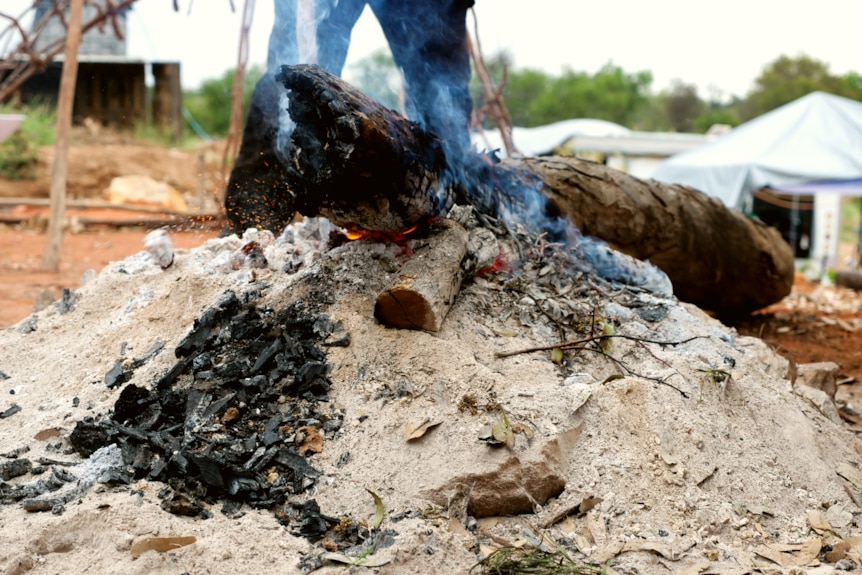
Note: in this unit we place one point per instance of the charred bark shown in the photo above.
(366, 167)
(357, 163)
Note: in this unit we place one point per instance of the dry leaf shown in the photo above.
(851, 474)
(607, 343)
(413, 431)
(597, 529)
(378, 510)
(367, 561)
(819, 523)
(47, 434)
(160, 544)
(694, 568)
(313, 442)
(838, 552)
(557, 356)
(583, 506)
(777, 557)
(810, 552)
(502, 431)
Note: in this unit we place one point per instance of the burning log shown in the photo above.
(357, 163)
(366, 167)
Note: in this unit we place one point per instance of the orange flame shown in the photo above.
(359, 234)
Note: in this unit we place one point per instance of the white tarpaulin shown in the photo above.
(815, 138)
(544, 139)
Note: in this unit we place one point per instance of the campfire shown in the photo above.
(352, 391)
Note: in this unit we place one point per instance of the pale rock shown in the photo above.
(144, 190)
(821, 375)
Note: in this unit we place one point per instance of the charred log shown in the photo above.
(366, 167)
(357, 163)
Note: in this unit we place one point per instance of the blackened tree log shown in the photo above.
(367, 167)
(356, 162)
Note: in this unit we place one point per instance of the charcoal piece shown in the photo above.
(10, 412)
(267, 354)
(299, 467)
(167, 380)
(67, 301)
(239, 485)
(231, 508)
(202, 362)
(217, 405)
(15, 453)
(323, 326)
(197, 402)
(653, 313)
(49, 461)
(117, 376)
(313, 377)
(271, 433)
(28, 325)
(312, 523)
(3, 375)
(132, 403)
(14, 468)
(87, 437)
(206, 325)
(255, 382)
(154, 350)
(209, 471)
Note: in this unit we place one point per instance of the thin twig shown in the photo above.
(578, 342)
(632, 372)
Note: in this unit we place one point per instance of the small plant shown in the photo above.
(19, 154)
(532, 561)
(18, 158)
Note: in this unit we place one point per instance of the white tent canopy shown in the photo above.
(815, 138)
(544, 139)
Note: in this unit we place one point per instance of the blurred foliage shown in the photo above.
(787, 79)
(377, 76)
(210, 104)
(19, 154)
(534, 97)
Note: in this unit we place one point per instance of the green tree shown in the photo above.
(210, 104)
(377, 76)
(787, 79)
(682, 106)
(611, 94)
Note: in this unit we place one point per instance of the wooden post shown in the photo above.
(234, 133)
(54, 242)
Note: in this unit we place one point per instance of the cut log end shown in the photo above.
(424, 290)
(403, 308)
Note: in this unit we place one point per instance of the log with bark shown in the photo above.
(367, 167)
(425, 288)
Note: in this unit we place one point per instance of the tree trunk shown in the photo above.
(716, 257)
(367, 167)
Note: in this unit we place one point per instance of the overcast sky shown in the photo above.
(711, 44)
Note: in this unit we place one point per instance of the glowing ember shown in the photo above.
(360, 234)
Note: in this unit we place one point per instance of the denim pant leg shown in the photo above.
(428, 39)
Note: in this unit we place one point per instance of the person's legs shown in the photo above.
(428, 39)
